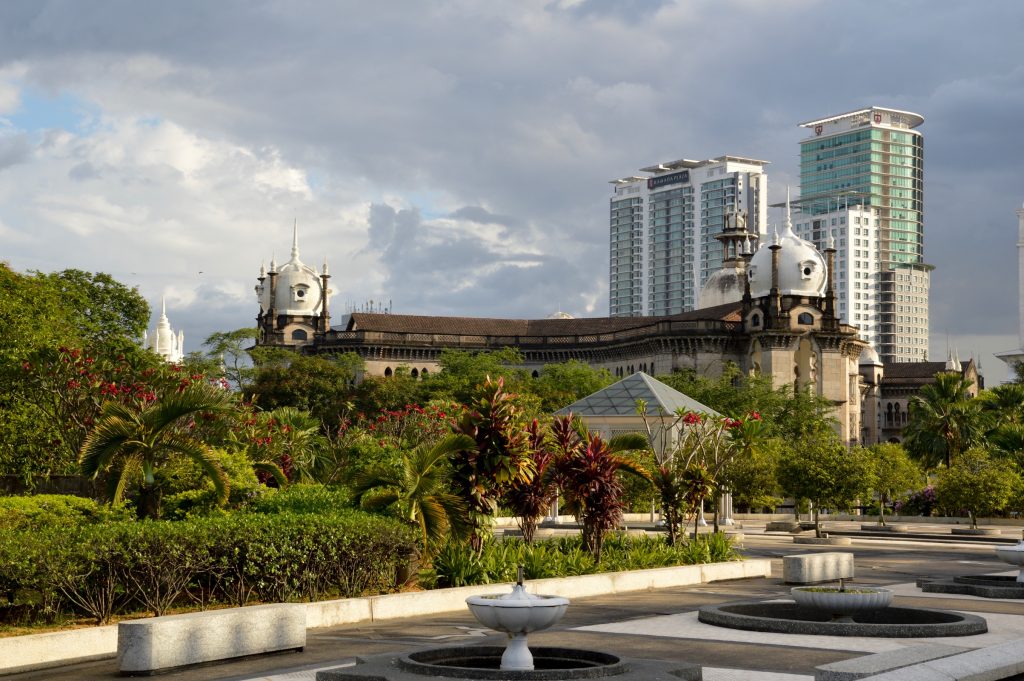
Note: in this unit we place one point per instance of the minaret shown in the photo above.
(1015, 357)
(325, 315)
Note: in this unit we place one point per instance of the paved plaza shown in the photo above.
(660, 624)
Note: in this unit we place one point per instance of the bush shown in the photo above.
(41, 511)
(300, 498)
(100, 570)
(458, 565)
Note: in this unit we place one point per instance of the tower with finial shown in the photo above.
(294, 301)
(1015, 358)
(164, 341)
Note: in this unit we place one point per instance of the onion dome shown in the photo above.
(298, 286)
(724, 286)
(870, 357)
(801, 266)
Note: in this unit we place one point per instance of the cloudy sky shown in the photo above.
(453, 156)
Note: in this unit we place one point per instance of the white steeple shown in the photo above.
(163, 341)
(1014, 357)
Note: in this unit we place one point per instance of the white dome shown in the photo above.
(560, 315)
(869, 356)
(801, 266)
(724, 286)
(298, 286)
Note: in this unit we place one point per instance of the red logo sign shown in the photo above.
(817, 130)
(878, 117)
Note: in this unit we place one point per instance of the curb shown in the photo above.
(54, 649)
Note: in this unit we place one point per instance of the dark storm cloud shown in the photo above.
(518, 114)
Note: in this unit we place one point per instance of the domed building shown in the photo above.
(163, 341)
(293, 301)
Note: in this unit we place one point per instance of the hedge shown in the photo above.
(108, 569)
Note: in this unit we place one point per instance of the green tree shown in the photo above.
(230, 349)
(105, 312)
(320, 385)
(895, 474)
(463, 372)
(128, 440)
(978, 484)
(1004, 404)
(818, 468)
(418, 493)
(559, 385)
(944, 420)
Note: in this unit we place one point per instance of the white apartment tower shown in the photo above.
(862, 182)
(663, 226)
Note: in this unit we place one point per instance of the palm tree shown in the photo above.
(128, 439)
(1005, 403)
(417, 491)
(944, 420)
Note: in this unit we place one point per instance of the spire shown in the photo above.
(956, 360)
(295, 241)
(263, 271)
(325, 272)
(163, 308)
(789, 213)
(273, 264)
(831, 242)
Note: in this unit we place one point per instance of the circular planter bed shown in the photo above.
(976, 532)
(823, 541)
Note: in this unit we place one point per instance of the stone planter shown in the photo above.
(976, 531)
(841, 605)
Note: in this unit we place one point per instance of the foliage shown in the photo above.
(303, 498)
(586, 469)
(752, 476)
(921, 502)
(895, 474)
(320, 385)
(530, 499)
(457, 565)
(102, 569)
(228, 349)
(418, 492)
(42, 511)
(559, 385)
(818, 468)
(483, 473)
(132, 439)
(978, 484)
(944, 421)
(463, 372)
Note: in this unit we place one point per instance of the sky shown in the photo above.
(453, 157)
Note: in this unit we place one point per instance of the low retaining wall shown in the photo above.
(40, 651)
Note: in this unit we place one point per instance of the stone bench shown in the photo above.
(890, 660)
(1002, 661)
(158, 644)
(812, 568)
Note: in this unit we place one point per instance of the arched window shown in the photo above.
(300, 334)
(755, 320)
(415, 373)
(805, 318)
(423, 372)
(535, 374)
(388, 372)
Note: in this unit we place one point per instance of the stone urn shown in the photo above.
(517, 614)
(1014, 555)
(842, 603)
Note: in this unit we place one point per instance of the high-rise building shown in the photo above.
(1014, 357)
(862, 181)
(663, 226)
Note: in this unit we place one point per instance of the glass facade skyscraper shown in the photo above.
(872, 160)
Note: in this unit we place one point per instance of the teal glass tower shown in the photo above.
(873, 159)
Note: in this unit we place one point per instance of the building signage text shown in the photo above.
(672, 178)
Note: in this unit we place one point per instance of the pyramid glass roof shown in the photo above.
(619, 399)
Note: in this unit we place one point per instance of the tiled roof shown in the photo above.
(619, 399)
(480, 326)
(925, 370)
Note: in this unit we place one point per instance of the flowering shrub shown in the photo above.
(920, 503)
